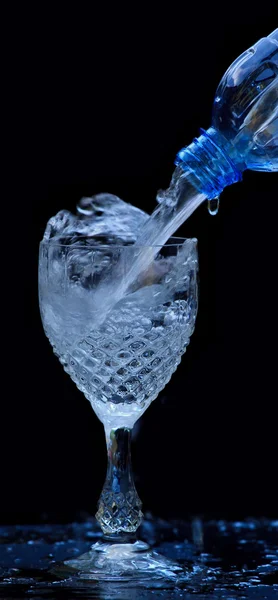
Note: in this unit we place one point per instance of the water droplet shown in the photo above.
(213, 206)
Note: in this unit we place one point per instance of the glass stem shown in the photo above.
(119, 506)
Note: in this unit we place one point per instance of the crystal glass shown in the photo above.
(120, 360)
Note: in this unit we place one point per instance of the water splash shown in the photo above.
(236, 560)
(105, 220)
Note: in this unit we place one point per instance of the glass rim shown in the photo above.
(117, 246)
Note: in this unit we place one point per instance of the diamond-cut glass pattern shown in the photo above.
(118, 511)
(118, 370)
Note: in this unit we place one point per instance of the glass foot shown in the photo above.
(131, 564)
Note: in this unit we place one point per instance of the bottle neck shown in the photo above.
(213, 162)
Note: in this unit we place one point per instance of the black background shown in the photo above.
(106, 100)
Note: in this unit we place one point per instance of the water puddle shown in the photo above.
(220, 559)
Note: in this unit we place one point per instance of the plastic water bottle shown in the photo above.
(243, 135)
(244, 131)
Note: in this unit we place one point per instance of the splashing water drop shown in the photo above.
(213, 206)
(85, 207)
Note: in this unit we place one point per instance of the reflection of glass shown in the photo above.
(120, 365)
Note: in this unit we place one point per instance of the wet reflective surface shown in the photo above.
(220, 559)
